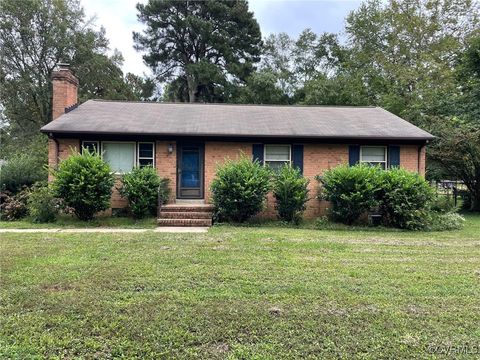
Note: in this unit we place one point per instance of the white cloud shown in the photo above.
(119, 18)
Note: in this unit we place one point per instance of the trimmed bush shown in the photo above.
(20, 171)
(351, 191)
(404, 199)
(84, 182)
(13, 207)
(141, 188)
(290, 190)
(240, 189)
(42, 205)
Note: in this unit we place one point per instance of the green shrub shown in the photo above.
(322, 223)
(20, 171)
(141, 188)
(290, 190)
(42, 205)
(404, 199)
(443, 204)
(84, 182)
(13, 207)
(351, 191)
(239, 189)
(445, 221)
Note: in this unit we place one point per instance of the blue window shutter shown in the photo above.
(393, 156)
(353, 154)
(297, 157)
(258, 153)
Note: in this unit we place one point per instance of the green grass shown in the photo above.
(67, 221)
(241, 293)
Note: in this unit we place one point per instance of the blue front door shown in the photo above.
(190, 171)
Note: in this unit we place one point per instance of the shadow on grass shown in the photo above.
(69, 221)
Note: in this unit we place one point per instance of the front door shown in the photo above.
(190, 171)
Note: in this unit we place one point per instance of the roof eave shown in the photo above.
(218, 135)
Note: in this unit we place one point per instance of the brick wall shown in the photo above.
(166, 165)
(64, 91)
(216, 153)
(409, 158)
(317, 159)
(117, 201)
(65, 148)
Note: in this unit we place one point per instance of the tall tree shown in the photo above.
(456, 149)
(34, 37)
(277, 59)
(262, 87)
(405, 50)
(302, 64)
(198, 45)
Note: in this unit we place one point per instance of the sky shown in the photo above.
(119, 18)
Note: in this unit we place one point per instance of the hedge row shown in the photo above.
(403, 199)
(241, 187)
(83, 185)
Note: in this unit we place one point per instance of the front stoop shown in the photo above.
(185, 215)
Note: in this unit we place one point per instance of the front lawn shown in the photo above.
(67, 221)
(241, 292)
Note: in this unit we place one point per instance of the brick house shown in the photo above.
(185, 142)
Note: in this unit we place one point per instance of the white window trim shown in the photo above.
(148, 158)
(135, 160)
(375, 162)
(265, 154)
(91, 141)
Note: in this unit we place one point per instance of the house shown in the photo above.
(185, 142)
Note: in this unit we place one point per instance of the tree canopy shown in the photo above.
(199, 47)
(34, 37)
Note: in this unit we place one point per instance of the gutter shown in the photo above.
(238, 136)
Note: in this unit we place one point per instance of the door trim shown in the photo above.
(201, 148)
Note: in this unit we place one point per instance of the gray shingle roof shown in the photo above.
(143, 118)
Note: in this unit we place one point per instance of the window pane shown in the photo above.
(276, 165)
(277, 152)
(90, 145)
(120, 156)
(370, 154)
(145, 150)
(145, 162)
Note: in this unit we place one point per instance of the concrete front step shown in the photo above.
(164, 214)
(184, 222)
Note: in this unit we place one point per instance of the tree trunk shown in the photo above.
(475, 202)
(192, 88)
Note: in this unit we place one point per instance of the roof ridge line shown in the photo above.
(232, 104)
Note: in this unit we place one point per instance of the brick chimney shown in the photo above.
(65, 86)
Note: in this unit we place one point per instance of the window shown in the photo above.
(146, 154)
(119, 155)
(92, 146)
(374, 155)
(277, 155)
